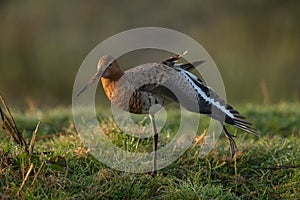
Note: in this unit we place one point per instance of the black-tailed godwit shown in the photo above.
(138, 89)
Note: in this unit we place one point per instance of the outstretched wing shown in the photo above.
(214, 106)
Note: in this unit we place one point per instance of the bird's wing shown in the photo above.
(208, 98)
(217, 107)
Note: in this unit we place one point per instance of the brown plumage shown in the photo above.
(138, 89)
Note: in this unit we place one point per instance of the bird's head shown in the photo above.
(107, 68)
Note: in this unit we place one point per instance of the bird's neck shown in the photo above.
(110, 83)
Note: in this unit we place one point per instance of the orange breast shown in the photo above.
(108, 86)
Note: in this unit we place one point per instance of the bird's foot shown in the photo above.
(153, 174)
(232, 146)
(231, 142)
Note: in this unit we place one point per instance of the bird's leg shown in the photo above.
(155, 137)
(231, 141)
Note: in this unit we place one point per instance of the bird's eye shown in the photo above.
(110, 65)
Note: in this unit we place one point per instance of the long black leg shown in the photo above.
(155, 137)
(231, 141)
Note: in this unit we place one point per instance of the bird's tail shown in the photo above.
(239, 121)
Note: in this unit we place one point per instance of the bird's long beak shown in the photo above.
(89, 83)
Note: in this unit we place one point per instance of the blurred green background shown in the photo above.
(255, 44)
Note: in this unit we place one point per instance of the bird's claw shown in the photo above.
(231, 142)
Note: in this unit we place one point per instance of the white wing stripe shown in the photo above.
(188, 76)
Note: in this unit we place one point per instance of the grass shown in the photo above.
(62, 168)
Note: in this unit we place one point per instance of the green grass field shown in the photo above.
(61, 168)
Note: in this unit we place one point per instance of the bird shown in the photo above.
(138, 89)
